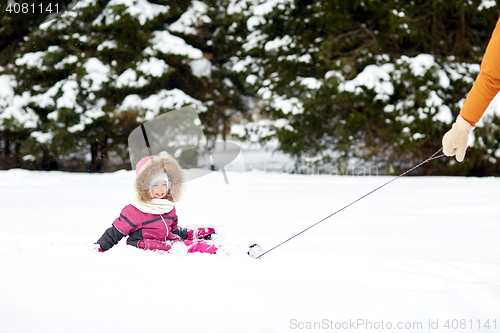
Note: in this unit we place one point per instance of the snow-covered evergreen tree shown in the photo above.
(79, 84)
(334, 81)
(367, 80)
(213, 27)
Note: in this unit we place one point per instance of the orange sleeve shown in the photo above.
(487, 83)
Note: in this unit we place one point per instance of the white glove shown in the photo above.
(455, 140)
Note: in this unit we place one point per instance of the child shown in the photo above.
(150, 220)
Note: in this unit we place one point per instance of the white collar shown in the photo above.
(155, 206)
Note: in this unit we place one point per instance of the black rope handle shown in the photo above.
(432, 157)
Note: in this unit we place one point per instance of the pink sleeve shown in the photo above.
(126, 223)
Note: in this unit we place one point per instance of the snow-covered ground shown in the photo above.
(420, 251)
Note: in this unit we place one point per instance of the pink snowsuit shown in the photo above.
(153, 231)
(150, 232)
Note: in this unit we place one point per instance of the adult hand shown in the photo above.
(455, 140)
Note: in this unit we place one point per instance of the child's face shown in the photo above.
(159, 189)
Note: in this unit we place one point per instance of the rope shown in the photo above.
(432, 157)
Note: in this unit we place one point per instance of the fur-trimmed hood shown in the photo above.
(154, 166)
